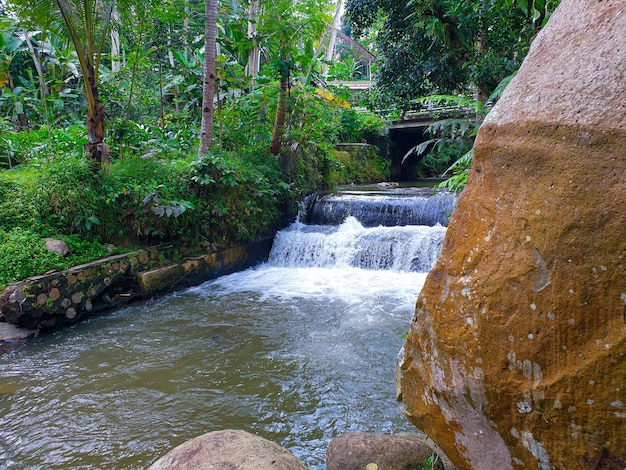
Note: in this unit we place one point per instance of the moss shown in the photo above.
(357, 163)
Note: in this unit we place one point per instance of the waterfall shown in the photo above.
(411, 248)
(405, 206)
(401, 231)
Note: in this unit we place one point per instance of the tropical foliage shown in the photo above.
(70, 70)
(445, 46)
(101, 106)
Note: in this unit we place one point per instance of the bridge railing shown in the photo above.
(438, 111)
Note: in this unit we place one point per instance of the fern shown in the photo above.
(460, 171)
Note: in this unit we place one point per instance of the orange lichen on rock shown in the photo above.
(516, 357)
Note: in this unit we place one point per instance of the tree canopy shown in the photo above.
(446, 46)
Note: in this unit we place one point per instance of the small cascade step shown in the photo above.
(375, 209)
(406, 249)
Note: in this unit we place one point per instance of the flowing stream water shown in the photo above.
(297, 350)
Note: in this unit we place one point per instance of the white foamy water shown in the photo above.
(407, 248)
(351, 285)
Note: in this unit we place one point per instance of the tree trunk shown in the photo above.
(330, 51)
(37, 63)
(116, 50)
(281, 112)
(208, 89)
(254, 56)
(95, 120)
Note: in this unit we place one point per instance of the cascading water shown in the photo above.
(395, 206)
(407, 248)
(298, 350)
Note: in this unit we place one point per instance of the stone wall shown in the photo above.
(69, 296)
(358, 163)
(516, 355)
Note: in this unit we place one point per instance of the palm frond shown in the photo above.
(453, 127)
(497, 93)
(462, 163)
(419, 149)
(107, 13)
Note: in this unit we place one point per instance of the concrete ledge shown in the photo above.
(193, 271)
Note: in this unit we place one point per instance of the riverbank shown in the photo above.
(66, 297)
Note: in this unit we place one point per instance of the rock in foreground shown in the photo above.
(404, 451)
(516, 357)
(228, 450)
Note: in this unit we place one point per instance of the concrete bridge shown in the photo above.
(354, 85)
(427, 116)
(412, 130)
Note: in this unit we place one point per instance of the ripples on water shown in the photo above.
(296, 355)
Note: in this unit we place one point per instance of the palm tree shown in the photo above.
(281, 108)
(86, 24)
(208, 89)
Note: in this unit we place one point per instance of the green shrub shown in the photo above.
(147, 199)
(49, 195)
(23, 254)
(241, 196)
(38, 146)
(360, 126)
(178, 139)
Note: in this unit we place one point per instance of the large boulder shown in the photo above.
(228, 450)
(516, 356)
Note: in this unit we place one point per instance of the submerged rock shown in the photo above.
(403, 451)
(228, 449)
(12, 337)
(516, 356)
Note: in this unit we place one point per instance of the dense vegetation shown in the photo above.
(154, 186)
(101, 111)
(455, 54)
(439, 47)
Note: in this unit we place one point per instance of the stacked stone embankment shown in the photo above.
(66, 297)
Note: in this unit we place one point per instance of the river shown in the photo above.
(297, 350)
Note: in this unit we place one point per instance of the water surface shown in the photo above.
(296, 354)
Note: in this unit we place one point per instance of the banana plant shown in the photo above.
(10, 46)
(86, 24)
